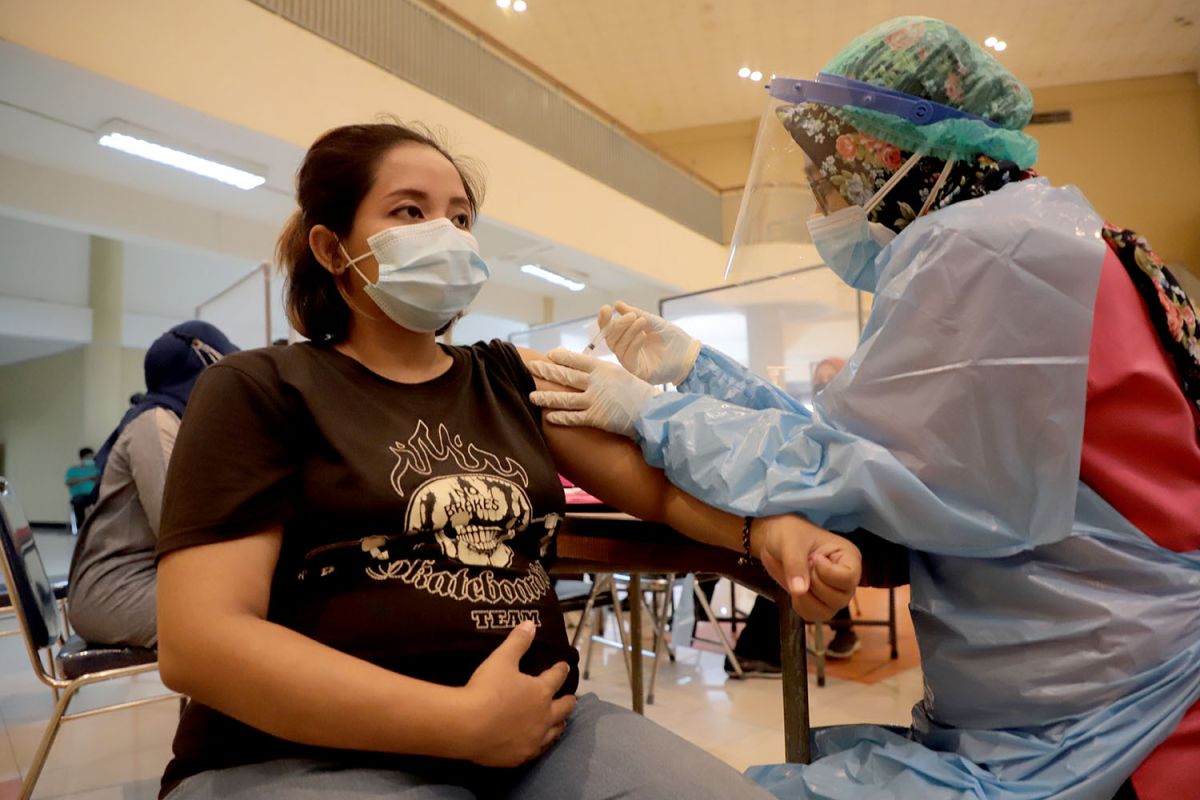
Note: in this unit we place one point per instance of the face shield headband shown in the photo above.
(834, 90)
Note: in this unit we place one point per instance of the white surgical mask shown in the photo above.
(849, 244)
(428, 273)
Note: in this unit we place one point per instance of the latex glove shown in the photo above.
(513, 717)
(655, 350)
(819, 569)
(609, 398)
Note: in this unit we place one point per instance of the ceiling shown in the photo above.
(49, 110)
(670, 65)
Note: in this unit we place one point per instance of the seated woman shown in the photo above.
(352, 582)
(111, 596)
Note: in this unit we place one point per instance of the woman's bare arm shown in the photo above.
(612, 468)
(216, 645)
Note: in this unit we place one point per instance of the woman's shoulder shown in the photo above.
(498, 359)
(273, 365)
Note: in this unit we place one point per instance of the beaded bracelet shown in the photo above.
(747, 557)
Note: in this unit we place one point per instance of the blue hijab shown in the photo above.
(173, 365)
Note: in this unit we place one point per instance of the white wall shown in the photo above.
(171, 281)
(38, 262)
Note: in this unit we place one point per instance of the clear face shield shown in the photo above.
(770, 236)
(810, 161)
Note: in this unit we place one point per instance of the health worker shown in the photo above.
(1022, 411)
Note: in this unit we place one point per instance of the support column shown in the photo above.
(764, 331)
(103, 404)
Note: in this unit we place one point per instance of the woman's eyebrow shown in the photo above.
(418, 194)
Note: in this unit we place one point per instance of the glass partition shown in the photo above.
(782, 327)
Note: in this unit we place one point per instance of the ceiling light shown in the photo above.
(744, 72)
(519, 6)
(504, 3)
(136, 142)
(1001, 46)
(553, 277)
(990, 41)
(756, 76)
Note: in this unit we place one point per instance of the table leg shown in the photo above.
(796, 742)
(635, 642)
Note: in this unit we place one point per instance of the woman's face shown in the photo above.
(413, 183)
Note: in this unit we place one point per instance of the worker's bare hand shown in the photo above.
(820, 570)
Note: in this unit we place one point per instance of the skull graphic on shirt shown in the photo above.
(472, 517)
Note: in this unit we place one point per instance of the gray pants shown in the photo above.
(606, 752)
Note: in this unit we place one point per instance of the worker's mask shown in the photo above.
(849, 243)
(428, 273)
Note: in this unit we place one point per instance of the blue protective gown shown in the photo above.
(1059, 643)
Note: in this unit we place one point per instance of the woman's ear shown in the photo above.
(324, 245)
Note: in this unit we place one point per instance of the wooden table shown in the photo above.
(612, 542)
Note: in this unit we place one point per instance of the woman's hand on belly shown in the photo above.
(513, 717)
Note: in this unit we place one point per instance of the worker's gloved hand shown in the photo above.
(655, 350)
(608, 398)
(820, 570)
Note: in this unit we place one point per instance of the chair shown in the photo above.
(59, 587)
(76, 663)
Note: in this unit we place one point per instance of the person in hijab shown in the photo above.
(1022, 412)
(111, 595)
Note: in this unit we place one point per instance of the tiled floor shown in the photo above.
(119, 756)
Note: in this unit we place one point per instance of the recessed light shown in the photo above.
(1001, 46)
(504, 3)
(756, 76)
(744, 72)
(519, 6)
(990, 41)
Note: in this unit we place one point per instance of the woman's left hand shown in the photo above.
(820, 570)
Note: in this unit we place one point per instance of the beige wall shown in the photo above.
(720, 153)
(133, 374)
(41, 426)
(1133, 147)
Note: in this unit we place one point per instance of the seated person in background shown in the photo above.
(81, 481)
(352, 582)
(111, 599)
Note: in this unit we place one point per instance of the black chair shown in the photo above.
(59, 587)
(69, 664)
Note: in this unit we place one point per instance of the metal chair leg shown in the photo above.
(43, 751)
(659, 616)
(892, 638)
(587, 608)
(708, 612)
(819, 651)
(597, 626)
(616, 607)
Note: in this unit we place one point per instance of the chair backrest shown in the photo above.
(28, 585)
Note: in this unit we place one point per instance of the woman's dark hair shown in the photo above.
(338, 171)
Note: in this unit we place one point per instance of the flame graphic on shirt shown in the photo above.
(421, 450)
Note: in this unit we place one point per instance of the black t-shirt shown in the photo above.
(417, 518)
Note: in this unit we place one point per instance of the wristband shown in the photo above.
(747, 557)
